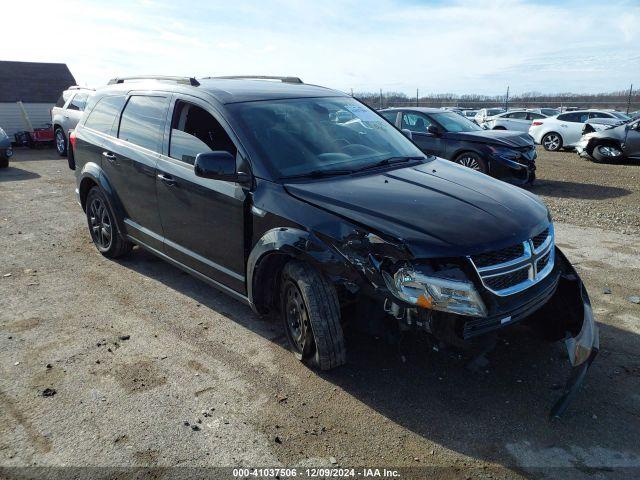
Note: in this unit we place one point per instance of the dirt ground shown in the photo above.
(153, 368)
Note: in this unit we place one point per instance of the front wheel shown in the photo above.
(311, 315)
(61, 142)
(552, 142)
(606, 152)
(102, 226)
(473, 161)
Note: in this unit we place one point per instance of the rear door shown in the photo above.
(518, 121)
(202, 219)
(418, 123)
(632, 141)
(130, 162)
(72, 114)
(571, 125)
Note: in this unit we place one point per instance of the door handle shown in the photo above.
(109, 156)
(167, 179)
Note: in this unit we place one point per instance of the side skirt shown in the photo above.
(191, 271)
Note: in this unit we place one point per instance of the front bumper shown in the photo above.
(581, 148)
(521, 171)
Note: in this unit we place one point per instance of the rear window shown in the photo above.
(64, 97)
(142, 121)
(104, 113)
(78, 102)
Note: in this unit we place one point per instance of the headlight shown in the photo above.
(436, 293)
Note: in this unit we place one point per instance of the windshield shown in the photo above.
(452, 122)
(320, 135)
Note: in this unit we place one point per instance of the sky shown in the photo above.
(457, 47)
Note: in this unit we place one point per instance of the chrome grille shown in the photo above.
(516, 268)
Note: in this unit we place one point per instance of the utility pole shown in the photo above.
(629, 100)
(417, 98)
(380, 98)
(352, 92)
(506, 101)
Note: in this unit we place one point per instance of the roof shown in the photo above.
(33, 82)
(418, 109)
(234, 90)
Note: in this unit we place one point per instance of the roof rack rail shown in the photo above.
(78, 87)
(184, 80)
(261, 77)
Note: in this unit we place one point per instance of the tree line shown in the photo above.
(617, 100)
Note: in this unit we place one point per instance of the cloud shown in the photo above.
(461, 47)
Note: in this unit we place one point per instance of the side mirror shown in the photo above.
(433, 130)
(407, 133)
(218, 166)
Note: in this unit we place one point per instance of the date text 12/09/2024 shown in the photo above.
(315, 473)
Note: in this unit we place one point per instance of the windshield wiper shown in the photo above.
(388, 161)
(318, 174)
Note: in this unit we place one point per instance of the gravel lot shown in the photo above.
(135, 350)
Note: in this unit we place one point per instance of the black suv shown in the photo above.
(266, 189)
(507, 155)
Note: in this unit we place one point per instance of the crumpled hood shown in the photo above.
(504, 138)
(436, 208)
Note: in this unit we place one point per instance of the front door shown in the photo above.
(418, 123)
(202, 219)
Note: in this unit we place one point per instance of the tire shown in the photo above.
(4, 162)
(606, 152)
(310, 313)
(71, 161)
(552, 142)
(473, 161)
(102, 226)
(60, 142)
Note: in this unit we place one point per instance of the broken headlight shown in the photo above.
(436, 293)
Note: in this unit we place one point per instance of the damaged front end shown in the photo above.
(451, 300)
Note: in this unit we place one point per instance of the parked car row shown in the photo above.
(565, 130)
(264, 189)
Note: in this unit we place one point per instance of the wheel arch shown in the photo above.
(92, 175)
(272, 251)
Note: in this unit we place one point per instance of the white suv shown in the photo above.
(66, 114)
(564, 130)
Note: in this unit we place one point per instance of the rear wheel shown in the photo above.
(552, 142)
(4, 162)
(61, 142)
(473, 161)
(102, 226)
(311, 315)
(606, 152)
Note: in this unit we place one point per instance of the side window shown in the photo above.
(599, 115)
(576, 117)
(142, 121)
(104, 113)
(391, 116)
(61, 101)
(415, 122)
(78, 102)
(194, 131)
(518, 115)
